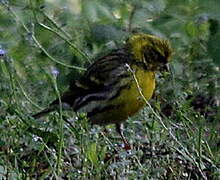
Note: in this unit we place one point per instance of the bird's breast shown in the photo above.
(142, 83)
(146, 82)
(128, 102)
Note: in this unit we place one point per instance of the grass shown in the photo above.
(176, 135)
(162, 148)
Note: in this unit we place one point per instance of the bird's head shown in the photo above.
(152, 51)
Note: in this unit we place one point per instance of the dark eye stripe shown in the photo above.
(162, 59)
(155, 55)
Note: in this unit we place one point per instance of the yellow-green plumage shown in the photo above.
(108, 92)
(129, 100)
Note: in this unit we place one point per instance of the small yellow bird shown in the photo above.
(109, 91)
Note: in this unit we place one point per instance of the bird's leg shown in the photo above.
(120, 131)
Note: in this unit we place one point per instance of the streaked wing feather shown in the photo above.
(103, 79)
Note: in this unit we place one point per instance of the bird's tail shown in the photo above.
(43, 112)
(67, 101)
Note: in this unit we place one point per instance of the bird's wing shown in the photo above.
(99, 73)
(103, 79)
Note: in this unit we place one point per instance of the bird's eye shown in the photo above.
(161, 58)
(156, 56)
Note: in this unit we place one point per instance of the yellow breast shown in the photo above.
(129, 101)
(131, 97)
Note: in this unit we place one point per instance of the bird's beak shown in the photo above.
(165, 68)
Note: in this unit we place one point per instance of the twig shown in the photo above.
(37, 42)
(130, 20)
(77, 50)
(163, 125)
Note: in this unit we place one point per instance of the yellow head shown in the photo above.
(153, 51)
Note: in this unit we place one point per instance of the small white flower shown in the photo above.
(2, 52)
(54, 71)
